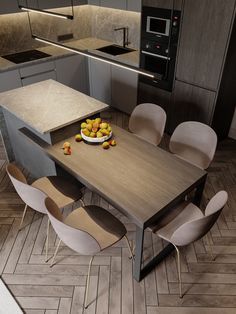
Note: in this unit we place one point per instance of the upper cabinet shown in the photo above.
(164, 4)
(7, 6)
(205, 30)
(115, 4)
(134, 5)
(130, 5)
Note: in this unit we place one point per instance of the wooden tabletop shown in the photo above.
(136, 177)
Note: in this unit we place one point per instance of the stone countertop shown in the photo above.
(89, 43)
(48, 105)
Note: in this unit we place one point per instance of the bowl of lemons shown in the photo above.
(95, 131)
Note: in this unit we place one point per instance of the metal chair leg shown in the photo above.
(87, 284)
(210, 246)
(179, 271)
(47, 240)
(55, 254)
(129, 247)
(23, 216)
(82, 202)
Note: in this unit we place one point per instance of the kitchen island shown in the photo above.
(50, 110)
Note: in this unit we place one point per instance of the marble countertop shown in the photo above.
(48, 105)
(89, 43)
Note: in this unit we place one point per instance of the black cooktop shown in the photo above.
(26, 56)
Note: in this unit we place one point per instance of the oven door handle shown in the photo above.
(155, 55)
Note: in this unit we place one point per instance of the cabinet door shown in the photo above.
(100, 80)
(164, 4)
(9, 80)
(116, 4)
(124, 89)
(73, 72)
(191, 103)
(205, 31)
(94, 2)
(134, 5)
(7, 6)
(45, 4)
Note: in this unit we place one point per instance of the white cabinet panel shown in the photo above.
(73, 72)
(9, 80)
(100, 80)
(124, 89)
(115, 4)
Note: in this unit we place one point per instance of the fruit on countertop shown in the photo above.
(67, 151)
(95, 128)
(86, 132)
(83, 125)
(105, 145)
(66, 145)
(66, 148)
(78, 138)
(112, 142)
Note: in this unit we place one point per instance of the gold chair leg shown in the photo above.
(210, 246)
(87, 284)
(179, 271)
(47, 241)
(55, 254)
(23, 216)
(129, 247)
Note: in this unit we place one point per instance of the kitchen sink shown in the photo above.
(115, 50)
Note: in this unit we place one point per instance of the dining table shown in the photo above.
(141, 180)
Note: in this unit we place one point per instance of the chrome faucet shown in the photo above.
(125, 35)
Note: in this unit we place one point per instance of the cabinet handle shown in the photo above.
(155, 55)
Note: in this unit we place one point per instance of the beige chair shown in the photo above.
(87, 230)
(190, 225)
(148, 122)
(62, 190)
(194, 142)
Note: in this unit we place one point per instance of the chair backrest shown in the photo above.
(195, 142)
(32, 197)
(78, 240)
(148, 121)
(196, 229)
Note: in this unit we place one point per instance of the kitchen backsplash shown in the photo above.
(89, 21)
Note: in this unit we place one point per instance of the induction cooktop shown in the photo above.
(26, 56)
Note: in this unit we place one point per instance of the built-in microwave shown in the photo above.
(159, 26)
(159, 40)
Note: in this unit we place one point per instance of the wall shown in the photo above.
(232, 131)
(89, 21)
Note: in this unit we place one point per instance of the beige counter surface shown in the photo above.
(83, 44)
(48, 105)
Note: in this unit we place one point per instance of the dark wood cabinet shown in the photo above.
(205, 32)
(204, 85)
(189, 102)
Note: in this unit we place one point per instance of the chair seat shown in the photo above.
(99, 223)
(189, 213)
(63, 191)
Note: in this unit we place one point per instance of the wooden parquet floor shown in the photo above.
(209, 286)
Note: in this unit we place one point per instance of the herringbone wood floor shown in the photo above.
(210, 287)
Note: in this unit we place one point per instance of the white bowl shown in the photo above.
(96, 139)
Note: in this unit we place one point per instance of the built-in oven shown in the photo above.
(159, 39)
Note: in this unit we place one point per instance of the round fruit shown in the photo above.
(112, 143)
(103, 125)
(78, 138)
(83, 125)
(105, 145)
(66, 145)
